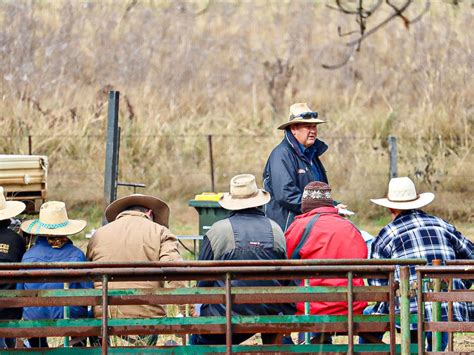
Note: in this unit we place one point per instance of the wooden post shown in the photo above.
(211, 162)
(392, 144)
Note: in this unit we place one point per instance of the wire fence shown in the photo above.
(182, 165)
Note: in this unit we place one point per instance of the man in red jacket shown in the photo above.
(321, 233)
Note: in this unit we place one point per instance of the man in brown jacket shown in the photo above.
(138, 231)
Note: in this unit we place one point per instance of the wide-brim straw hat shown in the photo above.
(9, 209)
(402, 195)
(161, 211)
(53, 221)
(244, 194)
(301, 113)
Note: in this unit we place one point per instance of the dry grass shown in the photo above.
(184, 74)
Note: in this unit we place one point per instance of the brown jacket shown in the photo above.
(133, 237)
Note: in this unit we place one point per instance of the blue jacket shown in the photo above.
(245, 235)
(286, 174)
(42, 252)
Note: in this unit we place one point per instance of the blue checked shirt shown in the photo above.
(416, 234)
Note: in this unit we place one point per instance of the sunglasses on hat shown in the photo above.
(305, 115)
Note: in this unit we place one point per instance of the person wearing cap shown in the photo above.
(52, 230)
(12, 248)
(137, 230)
(413, 233)
(246, 234)
(293, 164)
(321, 233)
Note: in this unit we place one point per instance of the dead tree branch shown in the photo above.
(362, 14)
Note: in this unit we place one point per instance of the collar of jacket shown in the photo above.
(253, 210)
(131, 213)
(319, 146)
(325, 210)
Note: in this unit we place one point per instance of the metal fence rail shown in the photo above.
(349, 324)
(437, 296)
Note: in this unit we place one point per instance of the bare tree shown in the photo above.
(362, 11)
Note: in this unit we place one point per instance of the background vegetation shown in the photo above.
(231, 69)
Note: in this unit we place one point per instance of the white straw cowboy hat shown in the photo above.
(301, 113)
(243, 194)
(9, 209)
(53, 221)
(161, 211)
(402, 195)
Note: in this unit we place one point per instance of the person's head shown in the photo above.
(305, 133)
(148, 212)
(9, 209)
(53, 222)
(155, 209)
(244, 194)
(316, 194)
(402, 196)
(302, 123)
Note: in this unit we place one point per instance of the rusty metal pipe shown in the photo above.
(228, 314)
(105, 314)
(195, 263)
(392, 286)
(350, 315)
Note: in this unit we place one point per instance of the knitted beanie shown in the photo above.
(316, 194)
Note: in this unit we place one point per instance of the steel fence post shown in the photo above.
(350, 314)
(421, 314)
(228, 314)
(105, 314)
(66, 316)
(405, 309)
(436, 336)
(392, 287)
(450, 317)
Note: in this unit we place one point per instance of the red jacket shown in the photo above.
(332, 237)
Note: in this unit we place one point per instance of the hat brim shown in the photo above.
(234, 204)
(422, 200)
(13, 208)
(301, 120)
(73, 226)
(161, 211)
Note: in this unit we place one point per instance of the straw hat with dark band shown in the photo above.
(244, 194)
(9, 209)
(53, 221)
(161, 211)
(402, 195)
(301, 113)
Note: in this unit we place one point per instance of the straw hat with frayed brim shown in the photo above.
(53, 221)
(402, 195)
(9, 209)
(161, 211)
(301, 113)
(243, 194)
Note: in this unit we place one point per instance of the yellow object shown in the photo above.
(208, 196)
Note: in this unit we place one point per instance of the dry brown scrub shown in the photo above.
(186, 70)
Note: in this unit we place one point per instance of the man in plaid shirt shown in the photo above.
(416, 234)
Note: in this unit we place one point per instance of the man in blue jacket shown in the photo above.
(293, 164)
(245, 235)
(53, 245)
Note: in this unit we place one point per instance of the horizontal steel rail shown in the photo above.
(227, 263)
(195, 273)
